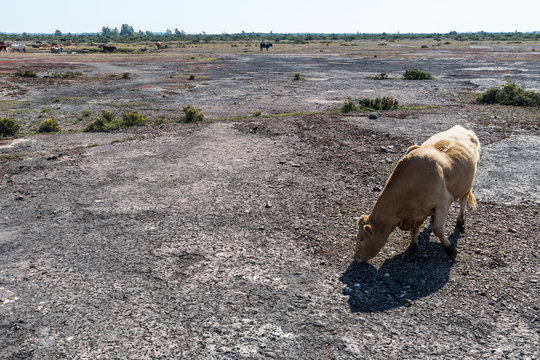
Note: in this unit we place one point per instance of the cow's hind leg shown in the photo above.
(412, 251)
(460, 223)
(438, 230)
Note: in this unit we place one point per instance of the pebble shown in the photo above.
(512, 230)
(268, 204)
(374, 115)
(347, 290)
(376, 188)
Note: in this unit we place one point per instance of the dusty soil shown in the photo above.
(234, 239)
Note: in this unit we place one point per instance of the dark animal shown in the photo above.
(3, 46)
(265, 45)
(107, 48)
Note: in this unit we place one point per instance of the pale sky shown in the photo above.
(278, 16)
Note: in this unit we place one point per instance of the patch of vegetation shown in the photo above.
(103, 123)
(191, 77)
(192, 115)
(385, 103)
(381, 76)
(257, 113)
(126, 76)
(8, 127)
(132, 118)
(85, 114)
(510, 94)
(416, 74)
(49, 125)
(298, 77)
(348, 106)
(26, 73)
(162, 120)
(66, 75)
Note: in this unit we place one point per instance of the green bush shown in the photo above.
(49, 125)
(66, 75)
(8, 127)
(385, 103)
(191, 77)
(192, 115)
(297, 76)
(510, 94)
(132, 118)
(103, 123)
(26, 73)
(416, 75)
(257, 113)
(348, 106)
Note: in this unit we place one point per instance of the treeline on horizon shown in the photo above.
(127, 34)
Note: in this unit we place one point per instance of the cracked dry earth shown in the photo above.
(234, 240)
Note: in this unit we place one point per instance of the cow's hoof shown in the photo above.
(460, 226)
(411, 253)
(451, 251)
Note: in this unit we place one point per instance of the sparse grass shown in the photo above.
(191, 77)
(257, 113)
(510, 94)
(348, 106)
(26, 73)
(297, 77)
(49, 125)
(162, 120)
(416, 74)
(85, 114)
(381, 76)
(8, 127)
(192, 115)
(126, 76)
(103, 123)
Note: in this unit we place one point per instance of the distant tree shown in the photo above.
(168, 32)
(179, 33)
(106, 31)
(126, 30)
(149, 33)
(57, 33)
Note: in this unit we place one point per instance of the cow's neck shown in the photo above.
(384, 213)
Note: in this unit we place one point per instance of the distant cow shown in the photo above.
(158, 45)
(58, 48)
(3, 46)
(18, 47)
(265, 45)
(107, 48)
(426, 181)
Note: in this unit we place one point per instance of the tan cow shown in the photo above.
(426, 181)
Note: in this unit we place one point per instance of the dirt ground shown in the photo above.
(233, 239)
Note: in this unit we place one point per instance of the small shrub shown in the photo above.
(416, 75)
(26, 73)
(191, 77)
(133, 118)
(49, 125)
(192, 115)
(98, 125)
(257, 113)
(8, 127)
(510, 94)
(381, 76)
(297, 76)
(126, 76)
(108, 115)
(57, 100)
(66, 75)
(385, 103)
(348, 106)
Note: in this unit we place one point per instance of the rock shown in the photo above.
(512, 230)
(268, 204)
(374, 115)
(376, 188)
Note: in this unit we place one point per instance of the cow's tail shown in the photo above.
(472, 200)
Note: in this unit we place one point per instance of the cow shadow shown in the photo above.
(398, 283)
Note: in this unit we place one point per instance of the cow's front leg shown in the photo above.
(412, 251)
(438, 230)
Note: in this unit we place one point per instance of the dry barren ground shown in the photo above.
(234, 239)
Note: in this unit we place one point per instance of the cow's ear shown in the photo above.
(368, 229)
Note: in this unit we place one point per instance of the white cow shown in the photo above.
(18, 47)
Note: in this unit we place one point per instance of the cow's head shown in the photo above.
(369, 240)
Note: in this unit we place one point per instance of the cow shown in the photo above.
(107, 48)
(158, 45)
(3, 46)
(265, 45)
(18, 47)
(57, 49)
(425, 182)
